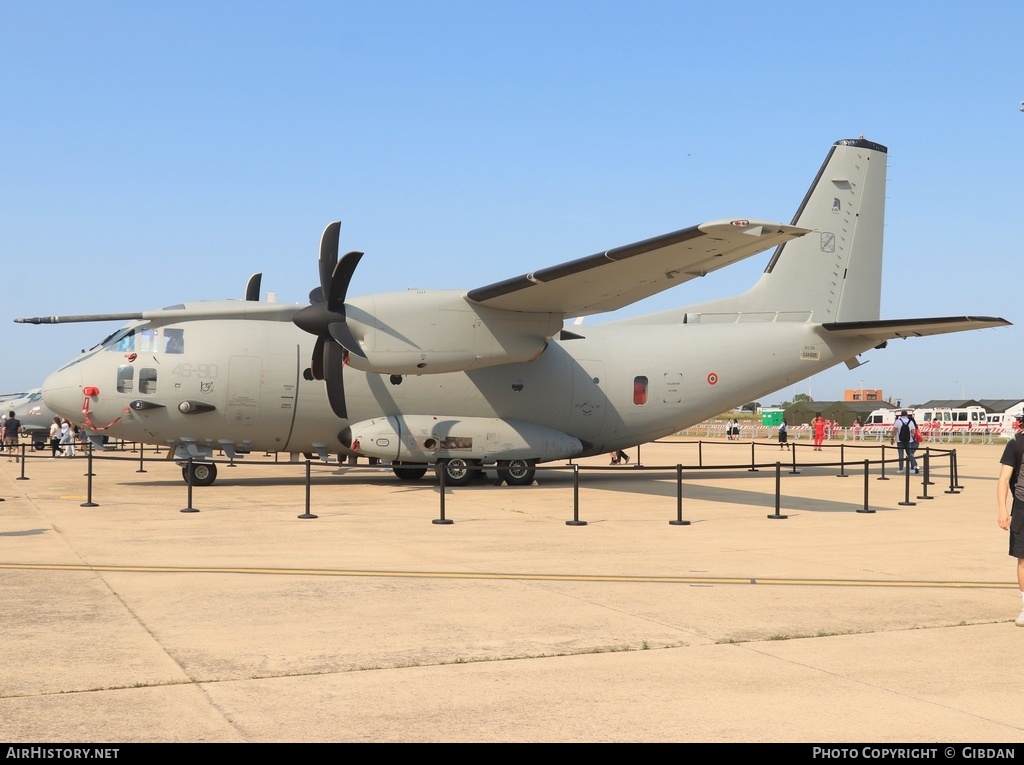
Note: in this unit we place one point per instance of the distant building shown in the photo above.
(862, 394)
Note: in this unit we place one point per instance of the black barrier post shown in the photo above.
(906, 486)
(142, 464)
(924, 479)
(956, 471)
(679, 499)
(794, 471)
(752, 462)
(637, 463)
(842, 462)
(307, 514)
(882, 476)
(951, 489)
(575, 499)
(867, 467)
(700, 453)
(88, 482)
(778, 492)
(22, 476)
(88, 453)
(442, 521)
(188, 483)
(927, 476)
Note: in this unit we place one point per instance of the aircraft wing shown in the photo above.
(889, 328)
(615, 278)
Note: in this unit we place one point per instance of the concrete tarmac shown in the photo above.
(134, 622)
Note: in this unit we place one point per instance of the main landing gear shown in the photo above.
(516, 472)
(458, 471)
(409, 472)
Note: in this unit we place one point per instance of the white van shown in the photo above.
(881, 418)
(969, 417)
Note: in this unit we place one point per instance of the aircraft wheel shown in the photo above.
(457, 471)
(516, 472)
(203, 473)
(410, 472)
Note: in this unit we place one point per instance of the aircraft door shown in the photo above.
(261, 391)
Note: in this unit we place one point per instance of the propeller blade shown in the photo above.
(328, 254)
(339, 331)
(334, 365)
(340, 279)
(316, 295)
(252, 289)
(316, 366)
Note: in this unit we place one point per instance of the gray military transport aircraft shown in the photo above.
(35, 418)
(492, 378)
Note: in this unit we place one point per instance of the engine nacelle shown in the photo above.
(428, 438)
(437, 331)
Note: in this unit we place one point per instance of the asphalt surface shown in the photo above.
(132, 621)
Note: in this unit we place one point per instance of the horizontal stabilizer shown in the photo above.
(889, 328)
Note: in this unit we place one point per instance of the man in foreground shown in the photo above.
(1013, 521)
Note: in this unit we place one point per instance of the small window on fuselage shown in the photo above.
(640, 390)
(125, 378)
(147, 380)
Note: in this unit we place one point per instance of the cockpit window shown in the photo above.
(147, 340)
(174, 340)
(121, 342)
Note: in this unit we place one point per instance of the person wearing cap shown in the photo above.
(11, 429)
(1013, 520)
(903, 435)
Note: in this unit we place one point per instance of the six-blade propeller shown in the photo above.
(324, 317)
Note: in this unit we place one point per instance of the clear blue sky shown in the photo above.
(153, 153)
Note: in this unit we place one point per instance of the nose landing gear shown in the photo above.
(202, 474)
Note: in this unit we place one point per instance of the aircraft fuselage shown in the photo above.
(240, 383)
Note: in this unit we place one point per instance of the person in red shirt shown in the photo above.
(819, 431)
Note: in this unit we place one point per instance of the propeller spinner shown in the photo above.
(325, 318)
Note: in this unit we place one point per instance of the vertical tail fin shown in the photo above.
(834, 273)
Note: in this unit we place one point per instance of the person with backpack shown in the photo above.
(904, 434)
(1009, 483)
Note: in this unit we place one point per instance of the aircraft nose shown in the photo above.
(62, 392)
